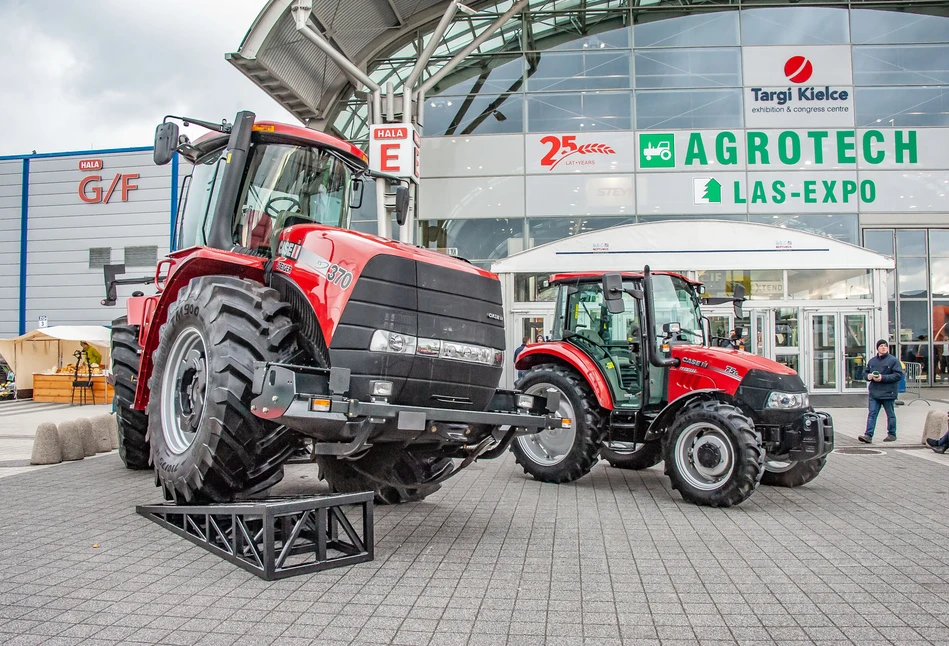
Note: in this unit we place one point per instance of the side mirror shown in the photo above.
(401, 204)
(739, 297)
(356, 194)
(613, 293)
(166, 142)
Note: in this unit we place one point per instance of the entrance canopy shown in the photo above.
(47, 349)
(689, 245)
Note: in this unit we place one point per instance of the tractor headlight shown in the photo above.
(787, 401)
(398, 343)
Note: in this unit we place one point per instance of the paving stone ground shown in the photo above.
(856, 557)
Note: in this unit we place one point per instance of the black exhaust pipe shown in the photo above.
(220, 235)
(652, 343)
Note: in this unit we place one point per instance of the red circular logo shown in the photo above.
(798, 69)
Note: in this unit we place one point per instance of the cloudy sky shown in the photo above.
(94, 74)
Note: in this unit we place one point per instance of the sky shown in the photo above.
(97, 74)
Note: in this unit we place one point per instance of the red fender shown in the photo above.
(559, 352)
(185, 265)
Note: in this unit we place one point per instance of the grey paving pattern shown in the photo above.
(857, 557)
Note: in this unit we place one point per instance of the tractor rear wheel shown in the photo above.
(206, 444)
(394, 474)
(132, 424)
(564, 454)
(713, 454)
(621, 455)
(791, 474)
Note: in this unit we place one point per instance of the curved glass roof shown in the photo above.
(385, 37)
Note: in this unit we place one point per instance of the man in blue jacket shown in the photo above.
(883, 375)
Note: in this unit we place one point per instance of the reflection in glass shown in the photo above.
(939, 242)
(839, 226)
(795, 26)
(585, 70)
(601, 40)
(474, 115)
(824, 347)
(940, 322)
(786, 327)
(687, 109)
(829, 284)
(672, 68)
(497, 75)
(579, 112)
(901, 65)
(901, 106)
(477, 240)
(913, 277)
(533, 288)
(879, 240)
(940, 277)
(914, 325)
(696, 30)
(911, 242)
(855, 349)
(871, 26)
(760, 284)
(792, 361)
(544, 230)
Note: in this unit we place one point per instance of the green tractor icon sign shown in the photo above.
(657, 150)
(662, 150)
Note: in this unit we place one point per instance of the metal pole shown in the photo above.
(409, 86)
(473, 45)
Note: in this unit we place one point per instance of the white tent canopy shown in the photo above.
(47, 349)
(692, 245)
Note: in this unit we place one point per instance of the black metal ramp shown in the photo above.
(277, 537)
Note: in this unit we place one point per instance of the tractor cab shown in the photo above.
(616, 337)
(250, 180)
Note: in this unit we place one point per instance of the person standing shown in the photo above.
(517, 351)
(883, 375)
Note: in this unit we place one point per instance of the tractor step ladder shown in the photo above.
(278, 537)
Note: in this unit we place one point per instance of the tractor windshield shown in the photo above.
(287, 185)
(675, 301)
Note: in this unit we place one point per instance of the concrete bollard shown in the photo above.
(47, 447)
(70, 438)
(936, 425)
(88, 435)
(102, 425)
(114, 431)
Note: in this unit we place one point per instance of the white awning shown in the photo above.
(46, 349)
(689, 245)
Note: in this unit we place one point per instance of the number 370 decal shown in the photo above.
(329, 270)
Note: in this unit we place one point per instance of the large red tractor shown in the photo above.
(274, 323)
(722, 420)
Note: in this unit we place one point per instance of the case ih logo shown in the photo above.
(90, 164)
(566, 146)
(798, 69)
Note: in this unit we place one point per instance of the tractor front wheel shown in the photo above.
(206, 444)
(713, 454)
(791, 474)
(395, 475)
(564, 454)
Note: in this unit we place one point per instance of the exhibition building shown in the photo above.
(795, 148)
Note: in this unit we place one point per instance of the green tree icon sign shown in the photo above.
(657, 150)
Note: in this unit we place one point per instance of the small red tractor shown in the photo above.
(275, 330)
(723, 420)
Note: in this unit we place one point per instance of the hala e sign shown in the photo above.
(393, 149)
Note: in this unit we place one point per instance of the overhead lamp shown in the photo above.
(466, 9)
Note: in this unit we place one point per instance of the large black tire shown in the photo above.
(132, 424)
(206, 443)
(701, 433)
(795, 475)
(562, 455)
(394, 474)
(645, 455)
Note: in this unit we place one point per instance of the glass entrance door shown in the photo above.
(856, 350)
(775, 335)
(838, 351)
(822, 332)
